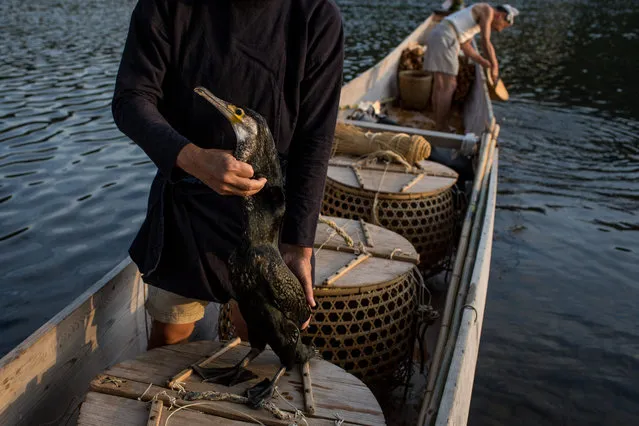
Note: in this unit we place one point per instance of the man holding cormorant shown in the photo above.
(282, 59)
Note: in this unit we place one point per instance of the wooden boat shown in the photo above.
(44, 379)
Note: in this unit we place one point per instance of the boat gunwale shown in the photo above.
(68, 310)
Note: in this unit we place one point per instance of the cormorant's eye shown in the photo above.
(239, 112)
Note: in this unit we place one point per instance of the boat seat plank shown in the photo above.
(334, 390)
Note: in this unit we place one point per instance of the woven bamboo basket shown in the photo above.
(415, 203)
(367, 295)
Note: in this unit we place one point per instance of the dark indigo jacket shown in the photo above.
(281, 58)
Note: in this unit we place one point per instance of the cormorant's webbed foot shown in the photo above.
(264, 389)
(229, 376)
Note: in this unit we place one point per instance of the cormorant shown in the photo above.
(270, 297)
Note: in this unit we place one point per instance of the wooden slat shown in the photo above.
(411, 183)
(309, 399)
(103, 410)
(155, 413)
(346, 268)
(368, 240)
(44, 379)
(358, 177)
(334, 389)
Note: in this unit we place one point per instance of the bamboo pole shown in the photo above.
(344, 269)
(309, 400)
(155, 414)
(460, 299)
(462, 248)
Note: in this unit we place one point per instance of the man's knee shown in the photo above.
(174, 316)
(163, 334)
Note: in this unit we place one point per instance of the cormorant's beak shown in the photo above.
(232, 113)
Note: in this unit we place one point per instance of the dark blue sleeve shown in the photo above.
(313, 136)
(138, 86)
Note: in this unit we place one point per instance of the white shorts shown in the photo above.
(442, 50)
(171, 308)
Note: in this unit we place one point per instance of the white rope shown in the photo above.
(333, 233)
(298, 413)
(166, 423)
(172, 399)
(397, 250)
(179, 387)
(324, 243)
(379, 188)
(144, 393)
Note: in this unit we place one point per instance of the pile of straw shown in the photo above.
(350, 140)
(412, 57)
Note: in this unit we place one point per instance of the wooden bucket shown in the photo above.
(414, 89)
(367, 299)
(417, 204)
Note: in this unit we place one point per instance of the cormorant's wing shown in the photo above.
(282, 287)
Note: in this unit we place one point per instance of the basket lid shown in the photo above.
(377, 255)
(429, 178)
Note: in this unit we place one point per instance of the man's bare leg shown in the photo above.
(163, 334)
(443, 90)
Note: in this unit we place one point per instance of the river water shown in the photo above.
(560, 343)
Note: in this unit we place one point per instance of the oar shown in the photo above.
(496, 89)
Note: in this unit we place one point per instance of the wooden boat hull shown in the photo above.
(44, 379)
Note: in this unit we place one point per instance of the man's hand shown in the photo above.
(484, 62)
(298, 260)
(219, 170)
(494, 73)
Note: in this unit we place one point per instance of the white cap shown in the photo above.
(511, 12)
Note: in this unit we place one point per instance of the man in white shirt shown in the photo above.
(453, 34)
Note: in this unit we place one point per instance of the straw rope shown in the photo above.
(338, 230)
(385, 155)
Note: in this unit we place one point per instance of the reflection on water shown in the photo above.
(560, 338)
(72, 188)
